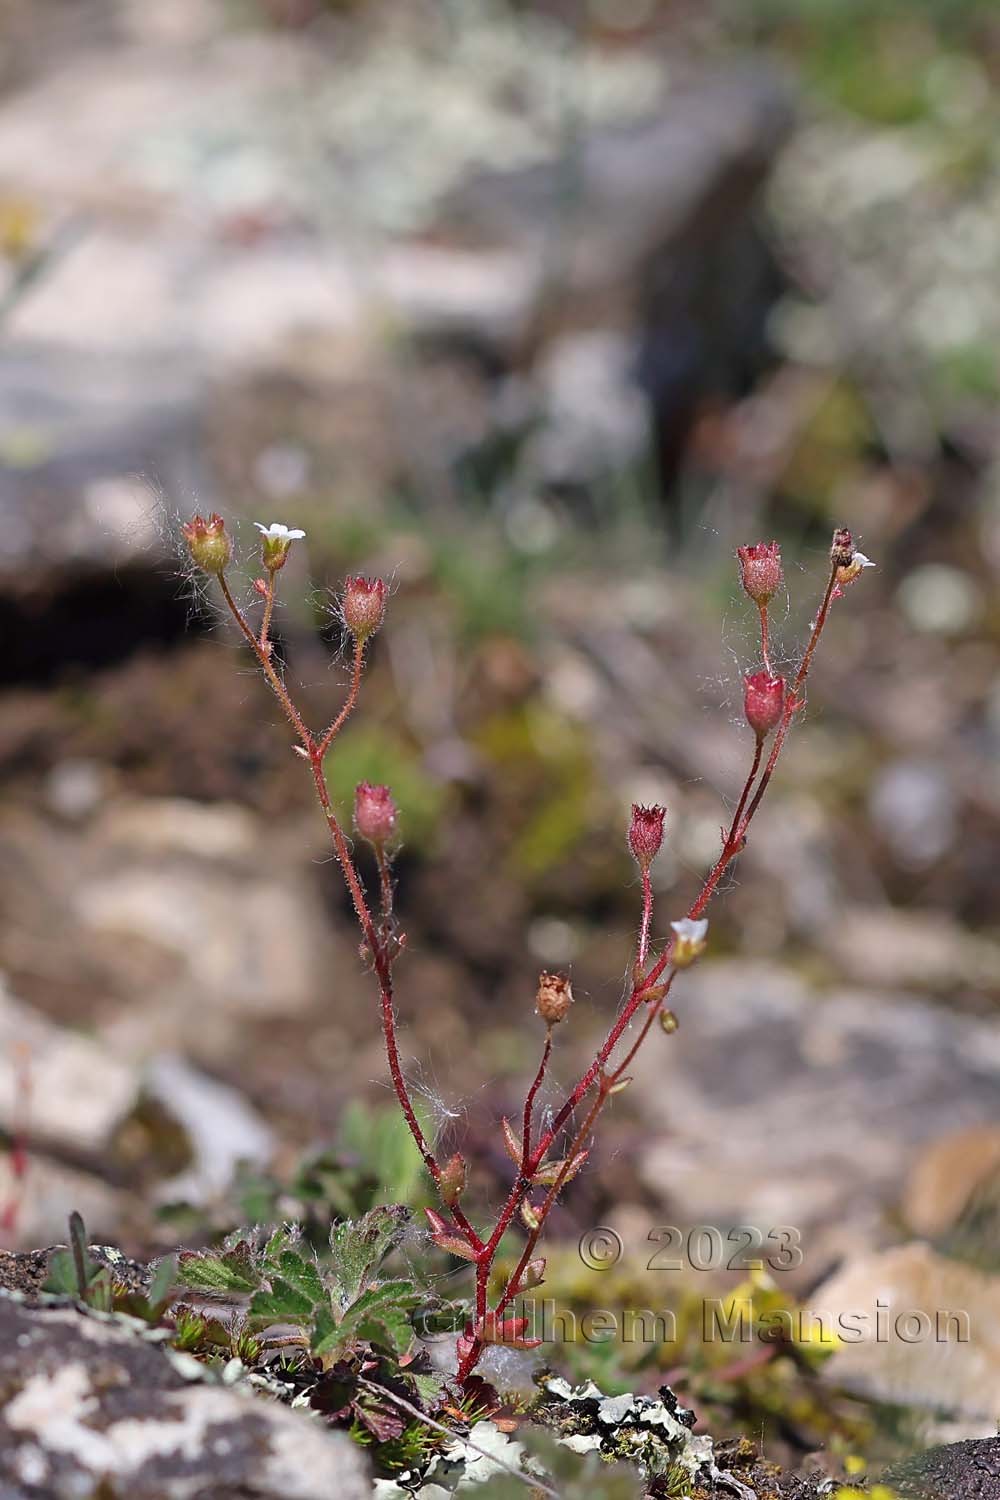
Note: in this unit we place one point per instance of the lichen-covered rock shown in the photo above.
(92, 1408)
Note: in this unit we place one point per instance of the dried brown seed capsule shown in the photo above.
(554, 998)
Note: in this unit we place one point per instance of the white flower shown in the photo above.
(863, 561)
(689, 942)
(278, 533)
(689, 931)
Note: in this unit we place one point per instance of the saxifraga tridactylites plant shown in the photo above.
(770, 703)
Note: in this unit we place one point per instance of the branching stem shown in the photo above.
(382, 947)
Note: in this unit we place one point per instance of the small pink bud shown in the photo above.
(763, 701)
(760, 570)
(208, 543)
(454, 1175)
(374, 814)
(645, 834)
(363, 606)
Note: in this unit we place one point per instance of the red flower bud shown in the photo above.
(375, 813)
(645, 834)
(454, 1175)
(363, 606)
(760, 570)
(208, 543)
(763, 701)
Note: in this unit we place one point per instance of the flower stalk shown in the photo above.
(769, 708)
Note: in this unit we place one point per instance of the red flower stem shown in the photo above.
(647, 917)
(383, 972)
(485, 1263)
(349, 871)
(352, 698)
(654, 1011)
(529, 1102)
(267, 666)
(385, 887)
(343, 854)
(608, 1082)
(265, 624)
(731, 846)
(793, 700)
(764, 643)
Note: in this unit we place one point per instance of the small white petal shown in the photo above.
(277, 532)
(866, 562)
(691, 931)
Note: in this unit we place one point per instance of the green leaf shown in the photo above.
(101, 1292)
(381, 1315)
(284, 1303)
(391, 1330)
(62, 1277)
(161, 1287)
(324, 1338)
(428, 1388)
(217, 1273)
(360, 1247)
(85, 1268)
(303, 1275)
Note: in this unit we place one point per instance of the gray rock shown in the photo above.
(92, 1407)
(775, 1106)
(221, 1127)
(958, 1471)
(78, 1090)
(916, 1330)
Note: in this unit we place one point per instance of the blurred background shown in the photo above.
(538, 310)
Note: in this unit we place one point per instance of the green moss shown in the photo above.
(548, 783)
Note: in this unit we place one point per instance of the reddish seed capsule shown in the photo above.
(375, 814)
(363, 606)
(208, 543)
(645, 834)
(760, 570)
(763, 701)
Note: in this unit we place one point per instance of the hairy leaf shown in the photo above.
(360, 1247)
(228, 1272)
(284, 1303)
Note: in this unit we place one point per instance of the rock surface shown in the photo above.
(931, 1333)
(874, 1078)
(92, 1408)
(959, 1471)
